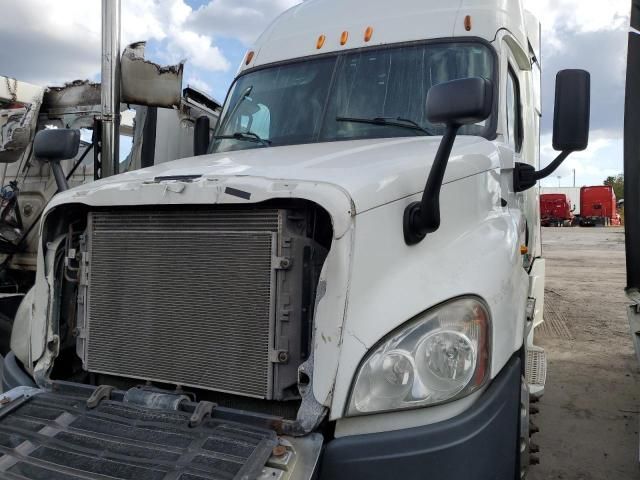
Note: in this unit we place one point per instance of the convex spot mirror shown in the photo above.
(460, 102)
(56, 144)
(572, 110)
(201, 135)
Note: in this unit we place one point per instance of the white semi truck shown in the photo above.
(345, 286)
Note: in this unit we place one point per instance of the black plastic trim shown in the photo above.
(632, 154)
(476, 445)
(148, 155)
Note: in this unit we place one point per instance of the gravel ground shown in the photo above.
(589, 415)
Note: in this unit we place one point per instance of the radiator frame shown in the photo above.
(287, 282)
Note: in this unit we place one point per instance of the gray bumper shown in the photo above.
(480, 444)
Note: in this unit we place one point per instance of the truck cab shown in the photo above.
(352, 272)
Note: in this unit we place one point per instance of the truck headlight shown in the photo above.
(439, 356)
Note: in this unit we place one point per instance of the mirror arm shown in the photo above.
(58, 174)
(549, 169)
(525, 176)
(421, 218)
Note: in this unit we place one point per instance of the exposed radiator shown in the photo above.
(183, 298)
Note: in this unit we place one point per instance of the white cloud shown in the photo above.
(601, 159)
(580, 16)
(64, 44)
(240, 19)
(199, 84)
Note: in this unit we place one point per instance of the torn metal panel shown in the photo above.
(73, 105)
(72, 94)
(147, 83)
(19, 106)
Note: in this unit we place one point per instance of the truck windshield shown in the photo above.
(371, 93)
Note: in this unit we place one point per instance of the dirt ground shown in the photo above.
(589, 415)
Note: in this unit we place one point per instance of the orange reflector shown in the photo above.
(250, 56)
(467, 23)
(321, 40)
(344, 37)
(524, 249)
(368, 33)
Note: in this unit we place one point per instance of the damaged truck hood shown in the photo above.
(367, 173)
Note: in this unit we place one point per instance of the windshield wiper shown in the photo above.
(388, 121)
(246, 136)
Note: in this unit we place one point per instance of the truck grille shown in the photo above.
(54, 436)
(183, 297)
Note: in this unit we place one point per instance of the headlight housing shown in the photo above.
(440, 356)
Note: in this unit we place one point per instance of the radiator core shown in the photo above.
(183, 297)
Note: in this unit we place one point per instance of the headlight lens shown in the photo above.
(441, 355)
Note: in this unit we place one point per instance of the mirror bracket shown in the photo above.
(423, 217)
(525, 176)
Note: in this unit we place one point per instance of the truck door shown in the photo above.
(520, 133)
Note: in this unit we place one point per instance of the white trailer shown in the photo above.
(352, 273)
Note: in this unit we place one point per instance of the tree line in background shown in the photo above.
(617, 183)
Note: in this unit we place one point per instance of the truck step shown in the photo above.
(536, 370)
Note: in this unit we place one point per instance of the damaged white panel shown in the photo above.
(19, 106)
(72, 95)
(147, 83)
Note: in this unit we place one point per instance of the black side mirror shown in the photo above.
(570, 126)
(572, 110)
(455, 103)
(201, 135)
(460, 102)
(54, 145)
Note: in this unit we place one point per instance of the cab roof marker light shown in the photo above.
(467, 23)
(320, 42)
(344, 38)
(368, 34)
(249, 58)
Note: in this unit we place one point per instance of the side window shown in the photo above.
(514, 112)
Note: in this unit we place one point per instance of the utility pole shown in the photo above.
(574, 178)
(559, 177)
(110, 88)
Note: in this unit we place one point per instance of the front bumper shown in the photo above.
(481, 444)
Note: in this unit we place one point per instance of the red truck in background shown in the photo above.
(555, 210)
(598, 206)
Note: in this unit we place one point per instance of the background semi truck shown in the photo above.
(598, 206)
(555, 210)
(345, 285)
(572, 194)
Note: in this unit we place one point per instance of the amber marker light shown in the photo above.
(467, 23)
(524, 249)
(344, 38)
(368, 33)
(250, 56)
(320, 42)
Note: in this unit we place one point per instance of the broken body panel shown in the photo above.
(161, 127)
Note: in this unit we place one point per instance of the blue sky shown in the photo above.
(217, 82)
